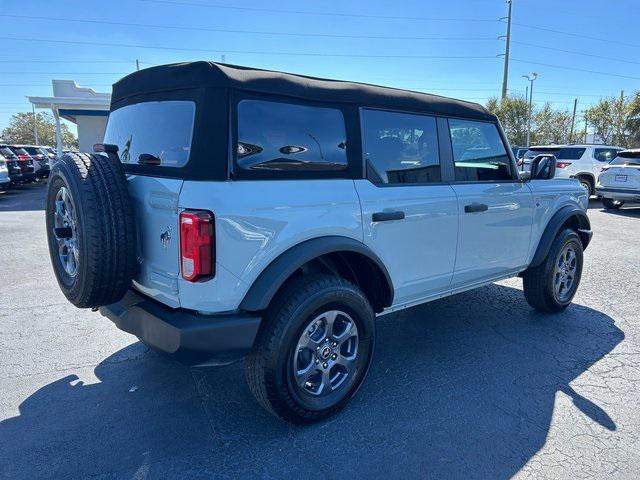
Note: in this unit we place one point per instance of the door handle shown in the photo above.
(387, 216)
(476, 207)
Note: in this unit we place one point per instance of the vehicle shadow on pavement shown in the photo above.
(633, 212)
(463, 387)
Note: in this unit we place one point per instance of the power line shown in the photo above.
(256, 52)
(575, 69)
(326, 14)
(578, 35)
(255, 32)
(574, 52)
(23, 60)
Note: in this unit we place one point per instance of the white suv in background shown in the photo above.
(583, 162)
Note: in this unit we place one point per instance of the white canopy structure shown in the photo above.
(85, 107)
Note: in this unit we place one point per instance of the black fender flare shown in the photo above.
(553, 228)
(282, 267)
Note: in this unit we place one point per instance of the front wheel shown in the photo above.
(611, 204)
(550, 286)
(314, 349)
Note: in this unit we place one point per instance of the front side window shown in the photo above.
(400, 147)
(153, 133)
(478, 152)
(605, 154)
(276, 136)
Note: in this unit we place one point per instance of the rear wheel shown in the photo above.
(611, 204)
(550, 287)
(314, 349)
(586, 184)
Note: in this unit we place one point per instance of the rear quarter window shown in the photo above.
(286, 137)
(162, 130)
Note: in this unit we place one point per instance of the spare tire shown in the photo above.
(90, 229)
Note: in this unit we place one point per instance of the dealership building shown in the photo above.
(85, 107)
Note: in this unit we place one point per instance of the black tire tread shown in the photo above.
(536, 290)
(283, 307)
(109, 229)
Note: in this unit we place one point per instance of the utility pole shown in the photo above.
(505, 77)
(573, 120)
(585, 129)
(137, 65)
(531, 79)
(35, 125)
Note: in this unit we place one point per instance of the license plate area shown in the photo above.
(621, 178)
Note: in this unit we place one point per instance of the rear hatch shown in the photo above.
(623, 172)
(155, 135)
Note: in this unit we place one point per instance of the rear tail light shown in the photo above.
(520, 162)
(604, 169)
(562, 164)
(196, 244)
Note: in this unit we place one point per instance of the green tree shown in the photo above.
(633, 121)
(20, 130)
(551, 126)
(612, 119)
(513, 113)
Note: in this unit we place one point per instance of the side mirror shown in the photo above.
(543, 167)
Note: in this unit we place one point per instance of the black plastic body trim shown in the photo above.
(189, 337)
(278, 271)
(553, 228)
(629, 191)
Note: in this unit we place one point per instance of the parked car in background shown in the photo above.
(619, 182)
(582, 162)
(5, 180)
(13, 166)
(518, 152)
(40, 159)
(26, 163)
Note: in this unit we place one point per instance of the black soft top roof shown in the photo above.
(199, 74)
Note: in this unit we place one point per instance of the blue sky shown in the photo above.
(452, 50)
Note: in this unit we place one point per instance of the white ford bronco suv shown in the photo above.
(235, 212)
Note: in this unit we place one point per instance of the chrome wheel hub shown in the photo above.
(64, 230)
(564, 273)
(326, 352)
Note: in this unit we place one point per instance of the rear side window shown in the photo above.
(478, 152)
(400, 148)
(278, 136)
(627, 158)
(153, 133)
(605, 154)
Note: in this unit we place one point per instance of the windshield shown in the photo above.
(627, 158)
(6, 152)
(561, 153)
(20, 151)
(153, 133)
(32, 150)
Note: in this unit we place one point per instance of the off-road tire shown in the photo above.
(610, 204)
(268, 366)
(538, 281)
(105, 229)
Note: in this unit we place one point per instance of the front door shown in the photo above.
(410, 215)
(495, 208)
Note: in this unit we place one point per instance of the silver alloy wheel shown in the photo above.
(325, 355)
(586, 185)
(64, 229)
(564, 273)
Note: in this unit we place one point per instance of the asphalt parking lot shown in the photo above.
(474, 386)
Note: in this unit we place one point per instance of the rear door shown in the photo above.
(494, 207)
(155, 134)
(409, 212)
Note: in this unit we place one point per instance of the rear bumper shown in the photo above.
(187, 336)
(629, 195)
